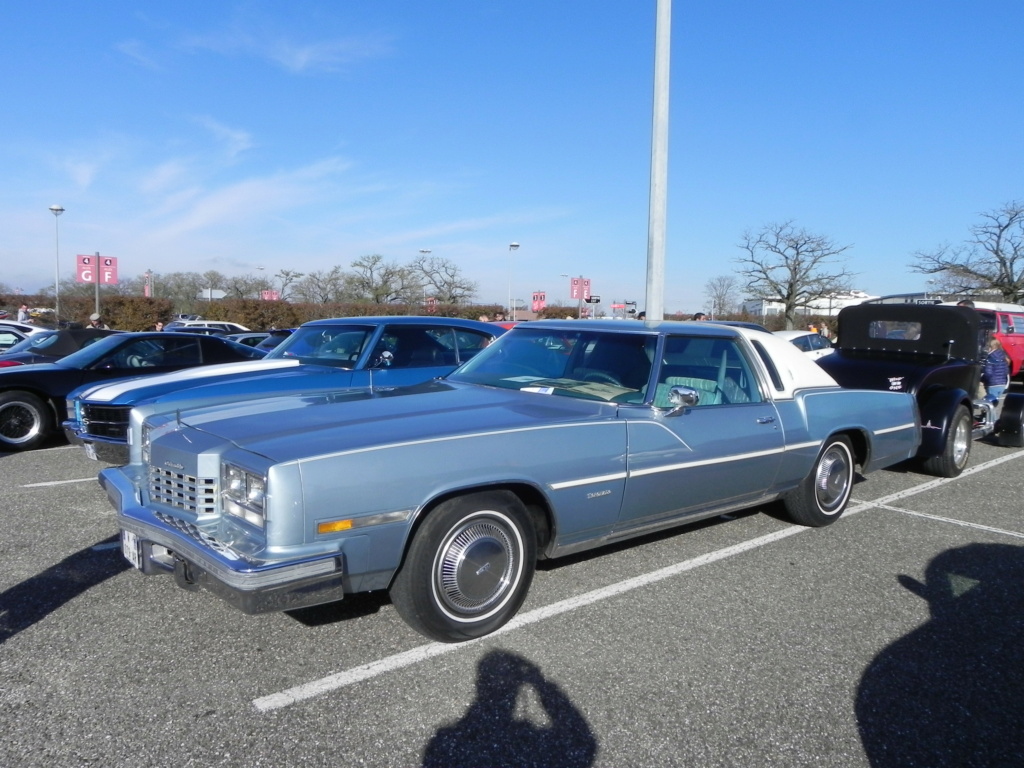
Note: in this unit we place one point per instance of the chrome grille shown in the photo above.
(196, 534)
(192, 494)
(106, 420)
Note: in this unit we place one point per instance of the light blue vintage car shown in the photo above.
(559, 437)
(320, 355)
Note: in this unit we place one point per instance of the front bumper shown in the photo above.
(108, 451)
(170, 546)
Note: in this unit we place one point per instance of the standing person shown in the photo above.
(23, 315)
(95, 321)
(158, 325)
(996, 376)
(699, 317)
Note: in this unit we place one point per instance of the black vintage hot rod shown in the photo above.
(936, 353)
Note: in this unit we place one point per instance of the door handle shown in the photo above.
(766, 420)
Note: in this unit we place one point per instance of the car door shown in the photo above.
(724, 451)
(1011, 329)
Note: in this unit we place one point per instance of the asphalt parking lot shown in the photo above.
(891, 638)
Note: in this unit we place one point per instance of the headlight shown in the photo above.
(244, 494)
(145, 442)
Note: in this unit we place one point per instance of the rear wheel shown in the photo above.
(957, 449)
(468, 568)
(823, 495)
(25, 421)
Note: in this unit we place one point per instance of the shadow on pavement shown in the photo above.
(494, 732)
(951, 693)
(34, 599)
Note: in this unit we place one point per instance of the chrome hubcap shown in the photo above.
(832, 482)
(476, 565)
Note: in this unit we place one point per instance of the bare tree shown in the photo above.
(791, 266)
(443, 279)
(321, 287)
(287, 277)
(991, 260)
(723, 294)
(381, 282)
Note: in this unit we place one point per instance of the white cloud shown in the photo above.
(135, 50)
(235, 141)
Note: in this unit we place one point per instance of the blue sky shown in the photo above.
(189, 136)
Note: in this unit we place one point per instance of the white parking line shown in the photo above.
(60, 482)
(424, 652)
(964, 523)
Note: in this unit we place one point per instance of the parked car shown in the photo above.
(1006, 323)
(809, 342)
(227, 327)
(331, 354)
(275, 337)
(935, 353)
(205, 330)
(50, 346)
(13, 332)
(249, 338)
(559, 437)
(32, 397)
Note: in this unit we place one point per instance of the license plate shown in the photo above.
(90, 451)
(131, 548)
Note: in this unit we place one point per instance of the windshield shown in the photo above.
(336, 346)
(33, 342)
(587, 364)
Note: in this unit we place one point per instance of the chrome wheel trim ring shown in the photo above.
(961, 438)
(477, 567)
(833, 480)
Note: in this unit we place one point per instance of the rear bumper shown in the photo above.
(167, 545)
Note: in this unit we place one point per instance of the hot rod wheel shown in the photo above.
(1010, 427)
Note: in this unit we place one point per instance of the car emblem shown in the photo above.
(173, 465)
(895, 383)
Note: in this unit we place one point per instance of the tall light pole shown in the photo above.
(511, 307)
(657, 214)
(56, 210)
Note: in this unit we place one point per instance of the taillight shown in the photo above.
(9, 363)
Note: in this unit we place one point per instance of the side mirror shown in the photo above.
(680, 398)
(384, 361)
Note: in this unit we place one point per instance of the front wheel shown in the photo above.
(823, 495)
(468, 568)
(957, 448)
(25, 421)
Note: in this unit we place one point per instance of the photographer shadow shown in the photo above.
(951, 693)
(493, 732)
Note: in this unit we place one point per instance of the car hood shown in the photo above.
(302, 426)
(130, 392)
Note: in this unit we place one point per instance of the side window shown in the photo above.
(1016, 324)
(470, 342)
(179, 352)
(413, 347)
(1005, 324)
(713, 367)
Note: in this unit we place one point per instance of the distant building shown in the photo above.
(827, 305)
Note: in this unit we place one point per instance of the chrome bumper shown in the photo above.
(250, 587)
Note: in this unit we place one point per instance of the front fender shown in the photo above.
(936, 418)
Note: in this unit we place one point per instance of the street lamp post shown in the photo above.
(511, 308)
(56, 210)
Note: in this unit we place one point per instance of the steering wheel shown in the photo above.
(134, 361)
(603, 377)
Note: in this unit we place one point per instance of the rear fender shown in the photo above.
(936, 419)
